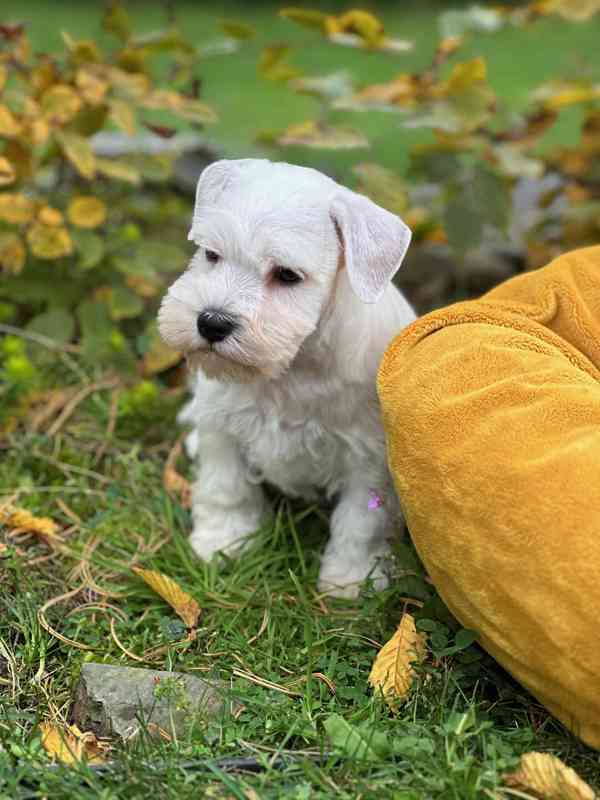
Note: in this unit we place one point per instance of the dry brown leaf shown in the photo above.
(181, 602)
(175, 483)
(549, 778)
(392, 673)
(70, 745)
(21, 519)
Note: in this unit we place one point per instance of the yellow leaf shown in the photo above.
(549, 778)
(362, 24)
(69, 745)
(7, 172)
(123, 116)
(38, 131)
(319, 135)
(50, 216)
(118, 170)
(9, 125)
(465, 75)
(16, 208)
(3, 76)
(12, 254)
(306, 17)
(79, 152)
(43, 75)
(60, 103)
(49, 242)
(569, 96)
(19, 518)
(271, 63)
(392, 673)
(84, 51)
(86, 212)
(92, 88)
(181, 602)
(573, 10)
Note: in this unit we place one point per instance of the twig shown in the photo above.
(121, 646)
(106, 383)
(110, 427)
(47, 627)
(38, 338)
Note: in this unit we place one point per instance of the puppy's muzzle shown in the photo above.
(215, 325)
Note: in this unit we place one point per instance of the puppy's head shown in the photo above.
(271, 238)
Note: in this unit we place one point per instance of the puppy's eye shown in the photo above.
(212, 256)
(286, 276)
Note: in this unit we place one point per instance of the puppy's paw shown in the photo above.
(344, 578)
(223, 532)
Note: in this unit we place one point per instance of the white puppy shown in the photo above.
(286, 309)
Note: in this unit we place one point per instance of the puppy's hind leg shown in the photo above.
(358, 546)
(226, 507)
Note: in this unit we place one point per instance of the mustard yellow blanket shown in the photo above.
(492, 415)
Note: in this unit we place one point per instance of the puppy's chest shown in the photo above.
(299, 451)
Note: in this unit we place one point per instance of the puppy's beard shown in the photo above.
(220, 368)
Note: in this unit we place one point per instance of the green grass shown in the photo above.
(463, 726)
(100, 477)
(519, 59)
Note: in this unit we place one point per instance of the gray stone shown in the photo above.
(113, 700)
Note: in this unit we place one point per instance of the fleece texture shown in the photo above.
(491, 410)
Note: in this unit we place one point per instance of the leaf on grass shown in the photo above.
(69, 745)
(549, 778)
(173, 482)
(272, 64)
(392, 672)
(306, 17)
(20, 519)
(49, 242)
(326, 137)
(86, 211)
(181, 602)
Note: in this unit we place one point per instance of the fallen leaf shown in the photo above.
(20, 519)
(549, 778)
(9, 125)
(60, 103)
(181, 602)
(12, 254)
(318, 135)
(175, 483)
(392, 672)
(16, 208)
(69, 745)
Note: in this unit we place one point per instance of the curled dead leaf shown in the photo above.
(549, 778)
(17, 518)
(181, 602)
(69, 745)
(392, 672)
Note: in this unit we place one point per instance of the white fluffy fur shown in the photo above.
(289, 397)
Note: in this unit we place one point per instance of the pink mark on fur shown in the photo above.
(375, 500)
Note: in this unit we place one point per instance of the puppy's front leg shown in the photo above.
(358, 546)
(226, 507)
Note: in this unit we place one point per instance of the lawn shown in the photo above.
(292, 665)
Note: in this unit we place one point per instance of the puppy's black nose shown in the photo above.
(214, 325)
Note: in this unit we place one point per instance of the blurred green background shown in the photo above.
(518, 58)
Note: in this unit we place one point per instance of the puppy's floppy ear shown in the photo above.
(216, 179)
(374, 241)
